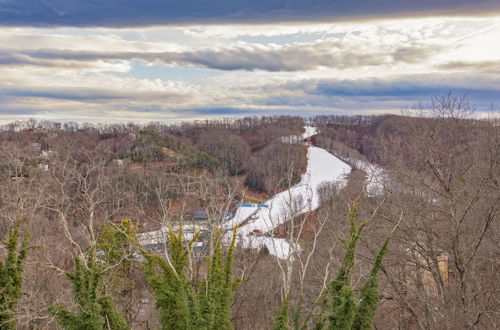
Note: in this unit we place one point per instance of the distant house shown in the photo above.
(155, 241)
(118, 162)
(201, 216)
(44, 167)
(310, 140)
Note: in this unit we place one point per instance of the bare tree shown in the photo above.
(447, 182)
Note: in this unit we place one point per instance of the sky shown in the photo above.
(177, 60)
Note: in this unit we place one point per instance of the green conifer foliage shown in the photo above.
(368, 305)
(344, 308)
(95, 311)
(342, 296)
(117, 247)
(218, 290)
(340, 308)
(11, 276)
(117, 252)
(281, 320)
(192, 304)
(170, 286)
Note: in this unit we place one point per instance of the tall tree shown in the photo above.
(11, 276)
(95, 311)
(370, 295)
(118, 253)
(340, 308)
(190, 303)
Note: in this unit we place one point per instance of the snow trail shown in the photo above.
(321, 167)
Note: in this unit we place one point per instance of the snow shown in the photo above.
(279, 247)
(375, 177)
(322, 167)
(161, 235)
(309, 131)
(301, 198)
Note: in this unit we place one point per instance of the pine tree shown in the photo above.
(116, 246)
(219, 288)
(368, 305)
(170, 286)
(281, 320)
(11, 276)
(95, 311)
(342, 296)
(182, 304)
(340, 309)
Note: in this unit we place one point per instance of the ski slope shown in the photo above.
(321, 167)
(375, 177)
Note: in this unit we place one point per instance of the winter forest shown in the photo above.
(278, 222)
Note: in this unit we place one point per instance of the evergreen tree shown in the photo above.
(95, 311)
(368, 305)
(342, 296)
(117, 252)
(11, 276)
(170, 286)
(192, 304)
(116, 246)
(340, 309)
(281, 320)
(217, 292)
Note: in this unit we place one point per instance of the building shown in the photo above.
(426, 269)
(156, 240)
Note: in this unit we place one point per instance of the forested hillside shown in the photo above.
(126, 226)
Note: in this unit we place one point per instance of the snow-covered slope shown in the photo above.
(303, 197)
(375, 177)
(310, 131)
(322, 167)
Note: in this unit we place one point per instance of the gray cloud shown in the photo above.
(296, 57)
(415, 53)
(121, 13)
(16, 59)
(88, 94)
(302, 97)
(376, 93)
(480, 66)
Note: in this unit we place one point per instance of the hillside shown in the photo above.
(285, 188)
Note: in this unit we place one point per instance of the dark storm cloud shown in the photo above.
(299, 57)
(122, 13)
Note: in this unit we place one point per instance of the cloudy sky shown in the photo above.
(173, 60)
